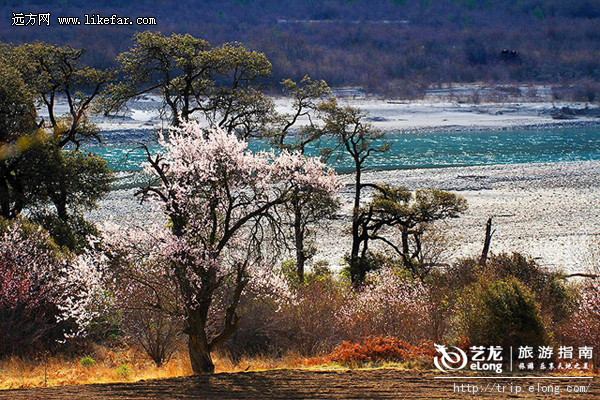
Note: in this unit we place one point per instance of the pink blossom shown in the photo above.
(34, 272)
(388, 304)
(221, 201)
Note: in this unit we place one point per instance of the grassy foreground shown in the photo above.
(126, 365)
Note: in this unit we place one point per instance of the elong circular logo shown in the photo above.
(450, 360)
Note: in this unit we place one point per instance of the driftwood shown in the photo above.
(581, 275)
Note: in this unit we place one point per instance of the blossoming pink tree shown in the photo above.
(145, 295)
(586, 320)
(41, 286)
(221, 202)
(387, 304)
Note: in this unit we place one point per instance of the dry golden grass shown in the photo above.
(108, 367)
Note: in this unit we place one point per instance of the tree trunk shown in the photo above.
(405, 249)
(4, 199)
(200, 355)
(355, 264)
(486, 243)
(61, 209)
(198, 345)
(299, 241)
(407, 260)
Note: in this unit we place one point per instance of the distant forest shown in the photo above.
(392, 47)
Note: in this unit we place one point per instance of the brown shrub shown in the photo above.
(379, 349)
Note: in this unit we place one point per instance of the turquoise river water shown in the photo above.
(416, 150)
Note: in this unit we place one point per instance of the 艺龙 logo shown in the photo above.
(450, 360)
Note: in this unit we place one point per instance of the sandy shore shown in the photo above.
(444, 115)
(549, 211)
(421, 115)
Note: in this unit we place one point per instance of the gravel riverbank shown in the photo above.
(550, 211)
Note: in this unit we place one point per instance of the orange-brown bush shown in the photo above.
(379, 349)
